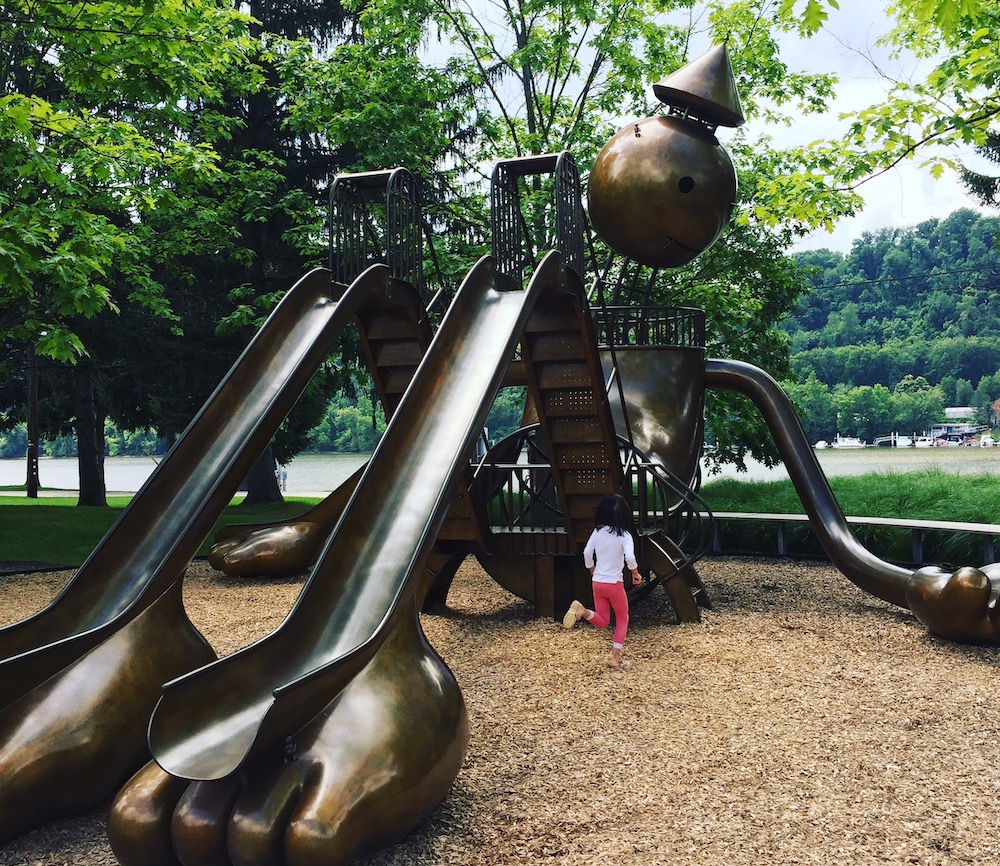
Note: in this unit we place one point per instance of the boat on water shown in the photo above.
(924, 442)
(893, 440)
(848, 442)
(822, 443)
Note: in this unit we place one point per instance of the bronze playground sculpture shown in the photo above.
(337, 733)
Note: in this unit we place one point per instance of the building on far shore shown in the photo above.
(959, 426)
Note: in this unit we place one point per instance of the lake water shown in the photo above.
(859, 461)
(306, 474)
(318, 474)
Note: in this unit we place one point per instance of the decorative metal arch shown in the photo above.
(512, 241)
(359, 239)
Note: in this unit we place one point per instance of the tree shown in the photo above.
(816, 408)
(916, 411)
(985, 187)
(565, 75)
(951, 109)
(94, 138)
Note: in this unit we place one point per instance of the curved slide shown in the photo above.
(339, 731)
(961, 605)
(210, 722)
(80, 677)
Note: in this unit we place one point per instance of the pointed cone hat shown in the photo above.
(706, 87)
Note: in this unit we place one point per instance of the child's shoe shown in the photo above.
(617, 662)
(575, 613)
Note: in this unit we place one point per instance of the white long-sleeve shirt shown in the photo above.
(609, 553)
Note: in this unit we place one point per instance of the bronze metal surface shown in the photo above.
(69, 743)
(280, 548)
(80, 678)
(706, 87)
(210, 723)
(160, 531)
(359, 776)
(960, 604)
(664, 394)
(859, 565)
(394, 334)
(661, 191)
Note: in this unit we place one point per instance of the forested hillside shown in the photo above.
(904, 324)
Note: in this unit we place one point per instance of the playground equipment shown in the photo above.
(338, 732)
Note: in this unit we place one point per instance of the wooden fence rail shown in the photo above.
(988, 531)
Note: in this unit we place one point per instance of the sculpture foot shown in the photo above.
(360, 776)
(280, 550)
(961, 605)
(67, 745)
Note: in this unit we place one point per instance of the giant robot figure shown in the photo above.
(337, 733)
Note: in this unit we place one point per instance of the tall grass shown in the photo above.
(929, 494)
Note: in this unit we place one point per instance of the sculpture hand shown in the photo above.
(959, 605)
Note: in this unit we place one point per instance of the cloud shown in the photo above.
(904, 196)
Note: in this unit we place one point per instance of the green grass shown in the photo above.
(56, 530)
(930, 494)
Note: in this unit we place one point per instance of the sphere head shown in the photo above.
(662, 190)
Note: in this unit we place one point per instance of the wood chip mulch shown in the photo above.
(801, 722)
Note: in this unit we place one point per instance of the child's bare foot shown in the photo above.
(575, 613)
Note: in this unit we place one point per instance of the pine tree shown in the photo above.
(985, 187)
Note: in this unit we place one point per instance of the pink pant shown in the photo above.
(608, 597)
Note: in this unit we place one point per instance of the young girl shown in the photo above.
(609, 549)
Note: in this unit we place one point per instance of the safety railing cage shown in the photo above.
(522, 498)
(375, 217)
(556, 212)
(678, 327)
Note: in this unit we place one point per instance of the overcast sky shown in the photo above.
(904, 196)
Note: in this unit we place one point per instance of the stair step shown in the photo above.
(571, 403)
(582, 455)
(555, 347)
(401, 353)
(588, 481)
(387, 326)
(564, 375)
(555, 317)
(586, 429)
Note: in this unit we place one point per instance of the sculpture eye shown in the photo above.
(685, 184)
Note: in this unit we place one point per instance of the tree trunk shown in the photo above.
(89, 437)
(262, 482)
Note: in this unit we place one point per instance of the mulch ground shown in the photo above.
(800, 722)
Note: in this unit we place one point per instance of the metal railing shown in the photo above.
(682, 327)
(522, 498)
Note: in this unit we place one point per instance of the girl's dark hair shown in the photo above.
(613, 512)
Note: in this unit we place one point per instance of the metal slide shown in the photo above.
(80, 677)
(209, 723)
(159, 533)
(867, 571)
(961, 604)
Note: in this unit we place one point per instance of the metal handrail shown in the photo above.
(522, 498)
